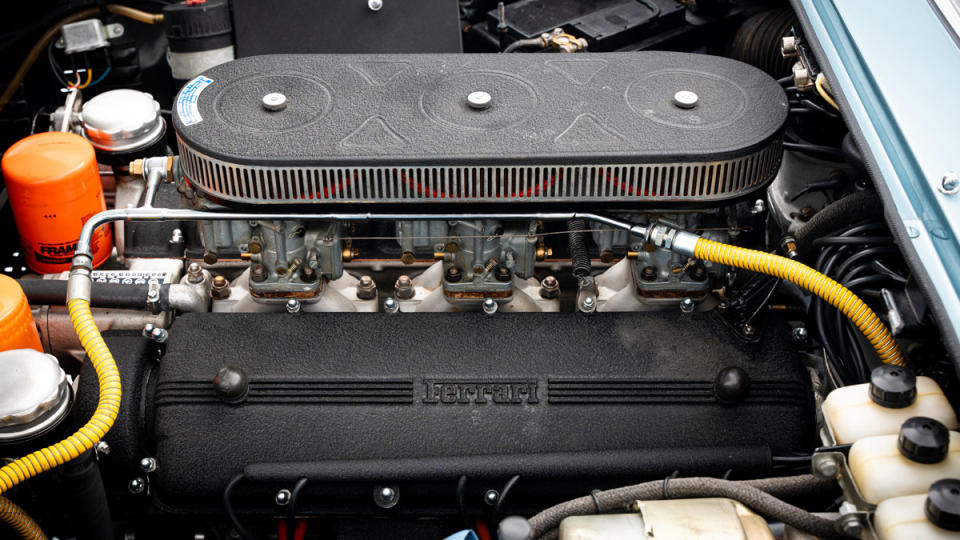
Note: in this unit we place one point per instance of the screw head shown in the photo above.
(148, 465)
(490, 306)
(491, 496)
(159, 335)
(375, 5)
(404, 287)
(293, 306)
(366, 288)
(687, 305)
(800, 335)
(827, 468)
(950, 183)
(502, 273)
(479, 100)
(648, 273)
(258, 273)
(102, 448)
(220, 288)
(549, 287)
(194, 273)
(148, 330)
(282, 498)
(759, 207)
(136, 485)
(386, 496)
(685, 99)
(454, 274)
(274, 101)
(390, 305)
(851, 526)
(748, 330)
(588, 304)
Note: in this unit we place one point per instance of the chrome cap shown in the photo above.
(122, 120)
(34, 394)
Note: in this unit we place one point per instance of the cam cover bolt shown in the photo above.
(148, 465)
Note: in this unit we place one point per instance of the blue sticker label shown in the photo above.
(187, 108)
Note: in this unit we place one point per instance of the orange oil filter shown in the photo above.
(54, 187)
(17, 329)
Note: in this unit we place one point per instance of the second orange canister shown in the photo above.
(17, 329)
(54, 187)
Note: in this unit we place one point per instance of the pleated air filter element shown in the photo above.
(308, 129)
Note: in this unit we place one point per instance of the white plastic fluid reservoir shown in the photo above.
(881, 406)
(934, 516)
(889, 466)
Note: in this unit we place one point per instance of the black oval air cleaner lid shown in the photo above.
(548, 109)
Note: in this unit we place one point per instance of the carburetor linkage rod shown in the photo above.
(82, 253)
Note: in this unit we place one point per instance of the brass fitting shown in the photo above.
(543, 252)
(350, 253)
(136, 168)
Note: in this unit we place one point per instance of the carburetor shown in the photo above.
(480, 257)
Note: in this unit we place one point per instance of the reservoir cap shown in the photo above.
(893, 387)
(942, 506)
(34, 394)
(924, 440)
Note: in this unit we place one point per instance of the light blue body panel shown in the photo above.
(898, 69)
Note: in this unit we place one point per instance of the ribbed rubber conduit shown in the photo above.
(95, 429)
(16, 518)
(802, 275)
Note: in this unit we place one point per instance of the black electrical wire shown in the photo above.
(292, 515)
(815, 107)
(228, 506)
(849, 256)
(55, 66)
(865, 255)
(462, 500)
(503, 496)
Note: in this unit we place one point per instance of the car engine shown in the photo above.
(412, 271)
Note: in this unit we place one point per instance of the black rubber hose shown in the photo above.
(228, 506)
(851, 153)
(760, 495)
(855, 207)
(87, 500)
(579, 256)
(53, 292)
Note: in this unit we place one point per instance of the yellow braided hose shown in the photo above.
(18, 520)
(834, 293)
(99, 424)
